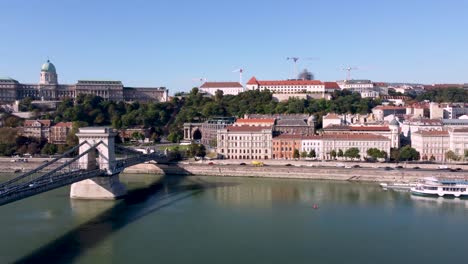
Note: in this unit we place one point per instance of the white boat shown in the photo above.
(441, 187)
(397, 186)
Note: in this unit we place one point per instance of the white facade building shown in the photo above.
(231, 88)
(245, 142)
(288, 86)
(431, 144)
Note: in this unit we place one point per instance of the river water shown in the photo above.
(236, 220)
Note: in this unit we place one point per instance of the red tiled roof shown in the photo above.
(425, 121)
(64, 124)
(43, 122)
(247, 128)
(432, 132)
(354, 137)
(331, 85)
(356, 128)
(390, 107)
(369, 128)
(461, 130)
(347, 137)
(221, 85)
(331, 116)
(253, 80)
(255, 120)
(380, 84)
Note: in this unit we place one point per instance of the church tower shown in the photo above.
(48, 74)
(395, 133)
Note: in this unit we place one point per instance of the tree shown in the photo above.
(303, 154)
(466, 154)
(408, 153)
(333, 154)
(312, 153)
(352, 153)
(137, 136)
(196, 150)
(450, 155)
(376, 153)
(8, 135)
(296, 154)
(49, 149)
(173, 137)
(219, 95)
(395, 154)
(340, 153)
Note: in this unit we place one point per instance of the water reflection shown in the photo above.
(266, 192)
(439, 202)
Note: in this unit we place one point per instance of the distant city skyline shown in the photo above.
(172, 44)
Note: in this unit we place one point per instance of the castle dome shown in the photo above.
(48, 67)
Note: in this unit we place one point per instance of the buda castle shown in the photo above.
(48, 89)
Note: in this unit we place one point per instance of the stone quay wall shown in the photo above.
(295, 172)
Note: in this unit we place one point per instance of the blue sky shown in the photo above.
(169, 43)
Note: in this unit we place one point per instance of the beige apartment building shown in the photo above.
(245, 142)
(59, 132)
(39, 129)
(431, 144)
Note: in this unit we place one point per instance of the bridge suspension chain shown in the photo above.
(48, 176)
(26, 174)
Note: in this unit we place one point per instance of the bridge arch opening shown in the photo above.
(197, 135)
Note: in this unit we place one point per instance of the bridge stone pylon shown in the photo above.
(108, 187)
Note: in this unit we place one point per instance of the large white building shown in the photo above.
(231, 88)
(324, 144)
(390, 131)
(49, 89)
(434, 144)
(285, 89)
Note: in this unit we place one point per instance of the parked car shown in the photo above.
(356, 166)
(242, 164)
(210, 163)
(416, 168)
(288, 165)
(399, 167)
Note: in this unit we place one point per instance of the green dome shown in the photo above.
(48, 67)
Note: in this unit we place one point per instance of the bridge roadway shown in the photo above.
(15, 190)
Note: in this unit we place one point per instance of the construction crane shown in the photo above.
(240, 71)
(295, 59)
(348, 72)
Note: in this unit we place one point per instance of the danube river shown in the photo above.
(236, 220)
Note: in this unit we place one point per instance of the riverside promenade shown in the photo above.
(291, 169)
(373, 172)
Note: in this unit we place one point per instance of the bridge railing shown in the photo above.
(38, 169)
(12, 184)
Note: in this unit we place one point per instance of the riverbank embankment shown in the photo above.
(348, 171)
(295, 172)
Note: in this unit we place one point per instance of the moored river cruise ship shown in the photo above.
(441, 187)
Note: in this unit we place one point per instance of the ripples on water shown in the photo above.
(236, 220)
